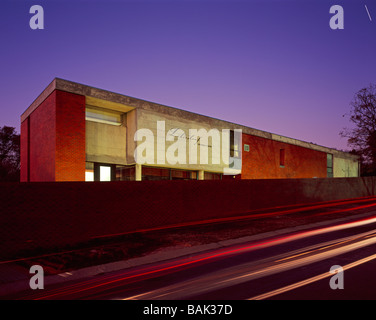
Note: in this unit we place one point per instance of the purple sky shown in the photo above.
(271, 65)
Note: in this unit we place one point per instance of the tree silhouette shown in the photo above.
(362, 135)
(9, 154)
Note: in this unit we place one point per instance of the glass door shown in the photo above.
(104, 173)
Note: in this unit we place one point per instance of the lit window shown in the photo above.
(89, 171)
(103, 116)
(105, 173)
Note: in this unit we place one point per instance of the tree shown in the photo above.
(362, 136)
(9, 154)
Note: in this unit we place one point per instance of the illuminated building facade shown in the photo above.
(74, 132)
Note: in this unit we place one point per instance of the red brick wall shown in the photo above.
(24, 175)
(263, 160)
(55, 148)
(42, 140)
(70, 137)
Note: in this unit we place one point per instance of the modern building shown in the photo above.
(74, 132)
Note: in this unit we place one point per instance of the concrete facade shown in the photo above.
(345, 167)
(106, 143)
(73, 132)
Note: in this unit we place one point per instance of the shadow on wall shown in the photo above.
(369, 184)
(338, 188)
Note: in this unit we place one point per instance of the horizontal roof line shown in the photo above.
(78, 88)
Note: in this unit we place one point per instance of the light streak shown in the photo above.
(303, 207)
(369, 16)
(239, 274)
(186, 262)
(310, 280)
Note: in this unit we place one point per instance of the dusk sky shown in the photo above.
(275, 65)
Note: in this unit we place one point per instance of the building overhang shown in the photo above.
(94, 96)
(110, 105)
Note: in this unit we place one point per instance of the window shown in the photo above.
(234, 145)
(212, 176)
(103, 116)
(100, 172)
(125, 173)
(89, 171)
(104, 173)
(246, 147)
(182, 175)
(329, 165)
(153, 173)
(282, 158)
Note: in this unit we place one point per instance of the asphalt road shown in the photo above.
(293, 266)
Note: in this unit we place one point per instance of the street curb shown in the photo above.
(162, 254)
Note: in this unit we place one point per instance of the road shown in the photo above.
(293, 266)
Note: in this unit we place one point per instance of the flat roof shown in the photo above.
(114, 100)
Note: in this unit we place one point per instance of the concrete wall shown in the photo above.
(51, 215)
(345, 167)
(148, 119)
(131, 123)
(105, 143)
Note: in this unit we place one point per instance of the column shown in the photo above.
(138, 172)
